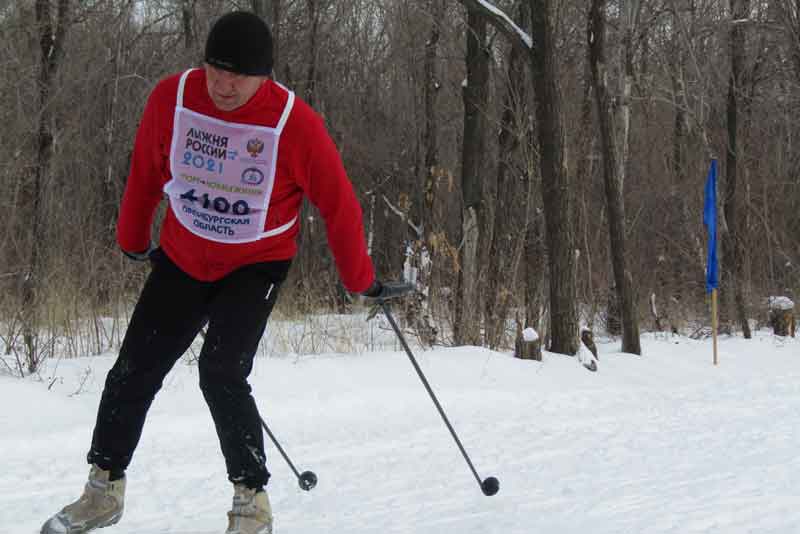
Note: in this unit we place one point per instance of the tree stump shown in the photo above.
(781, 316)
(528, 345)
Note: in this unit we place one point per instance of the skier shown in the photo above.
(234, 152)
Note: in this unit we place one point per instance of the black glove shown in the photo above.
(387, 290)
(140, 256)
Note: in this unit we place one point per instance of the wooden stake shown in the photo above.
(714, 322)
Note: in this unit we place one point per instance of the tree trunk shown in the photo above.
(613, 182)
(556, 187)
(425, 248)
(430, 132)
(187, 16)
(673, 276)
(312, 259)
(475, 94)
(629, 13)
(534, 273)
(270, 11)
(501, 248)
(731, 248)
(789, 14)
(313, 38)
(679, 217)
(583, 178)
(51, 43)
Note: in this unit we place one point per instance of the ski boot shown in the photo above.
(251, 512)
(101, 505)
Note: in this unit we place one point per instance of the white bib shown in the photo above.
(223, 174)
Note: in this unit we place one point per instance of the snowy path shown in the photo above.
(660, 444)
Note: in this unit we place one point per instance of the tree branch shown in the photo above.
(501, 22)
(403, 217)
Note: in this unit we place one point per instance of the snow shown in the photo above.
(663, 443)
(530, 335)
(526, 38)
(781, 303)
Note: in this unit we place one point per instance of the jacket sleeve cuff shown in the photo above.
(139, 256)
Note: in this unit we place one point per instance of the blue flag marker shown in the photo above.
(710, 220)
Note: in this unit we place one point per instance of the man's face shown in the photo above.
(229, 90)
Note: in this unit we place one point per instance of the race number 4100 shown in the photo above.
(218, 204)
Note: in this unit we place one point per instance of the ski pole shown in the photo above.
(306, 479)
(489, 486)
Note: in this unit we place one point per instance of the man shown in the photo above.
(234, 152)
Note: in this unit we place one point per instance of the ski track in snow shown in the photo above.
(662, 444)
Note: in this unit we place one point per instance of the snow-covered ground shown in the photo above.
(665, 443)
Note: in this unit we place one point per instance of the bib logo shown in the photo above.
(252, 176)
(255, 147)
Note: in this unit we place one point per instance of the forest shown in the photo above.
(524, 162)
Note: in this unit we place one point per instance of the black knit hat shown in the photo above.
(240, 42)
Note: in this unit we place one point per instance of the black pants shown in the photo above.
(171, 310)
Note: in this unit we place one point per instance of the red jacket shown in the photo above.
(308, 163)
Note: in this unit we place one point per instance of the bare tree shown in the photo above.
(270, 11)
(475, 94)
(612, 177)
(731, 246)
(502, 258)
(556, 190)
(187, 18)
(425, 256)
(52, 32)
(314, 15)
(383, 76)
(556, 187)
